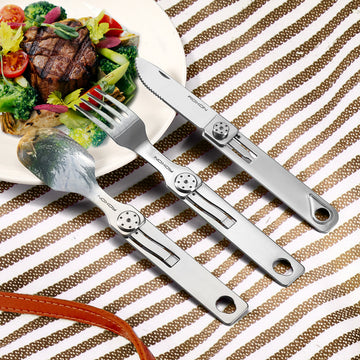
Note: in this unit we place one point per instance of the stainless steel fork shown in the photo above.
(128, 130)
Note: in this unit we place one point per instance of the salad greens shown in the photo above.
(70, 100)
(10, 39)
(96, 29)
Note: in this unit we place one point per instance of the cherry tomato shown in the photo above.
(12, 14)
(115, 28)
(14, 64)
(93, 92)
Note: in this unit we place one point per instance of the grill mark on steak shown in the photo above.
(47, 68)
(83, 46)
(34, 44)
(59, 64)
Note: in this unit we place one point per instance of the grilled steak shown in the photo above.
(59, 64)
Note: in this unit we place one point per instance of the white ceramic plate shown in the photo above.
(159, 43)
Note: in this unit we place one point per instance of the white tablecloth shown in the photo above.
(286, 73)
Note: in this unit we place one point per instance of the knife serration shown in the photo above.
(168, 90)
(227, 138)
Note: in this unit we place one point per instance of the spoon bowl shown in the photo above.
(57, 160)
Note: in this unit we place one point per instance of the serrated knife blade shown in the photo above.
(222, 134)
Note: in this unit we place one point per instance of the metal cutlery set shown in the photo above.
(128, 130)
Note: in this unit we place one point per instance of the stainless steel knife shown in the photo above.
(227, 138)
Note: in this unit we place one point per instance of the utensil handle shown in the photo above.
(189, 274)
(195, 279)
(222, 216)
(243, 234)
(262, 167)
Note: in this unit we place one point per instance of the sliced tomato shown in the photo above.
(14, 64)
(115, 28)
(12, 14)
(93, 92)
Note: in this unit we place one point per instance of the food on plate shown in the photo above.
(49, 62)
(38, 119)
(36, 12)
(15, 63)
(12, 14)
(16, 99)
(112, 59)
(56, 64)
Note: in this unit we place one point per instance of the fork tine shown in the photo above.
(95, 120)
(116, 102)
(108, 118)
(109, 108)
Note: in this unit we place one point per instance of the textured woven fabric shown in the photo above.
(286, 73)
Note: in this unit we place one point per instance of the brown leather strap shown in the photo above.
(46, 306)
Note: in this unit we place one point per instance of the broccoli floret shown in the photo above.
(97, 134)
(35, 13)
(82, 130)
(17, 100)
(87, 136)
(97, 137)
(107, 66)
(109, 62)
(131, 53)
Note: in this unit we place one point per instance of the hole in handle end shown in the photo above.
(323, 215)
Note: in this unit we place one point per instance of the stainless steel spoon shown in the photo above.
(64, 165)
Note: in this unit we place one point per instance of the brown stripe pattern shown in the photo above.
(287, 73)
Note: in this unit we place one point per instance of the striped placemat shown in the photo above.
(287, 74)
